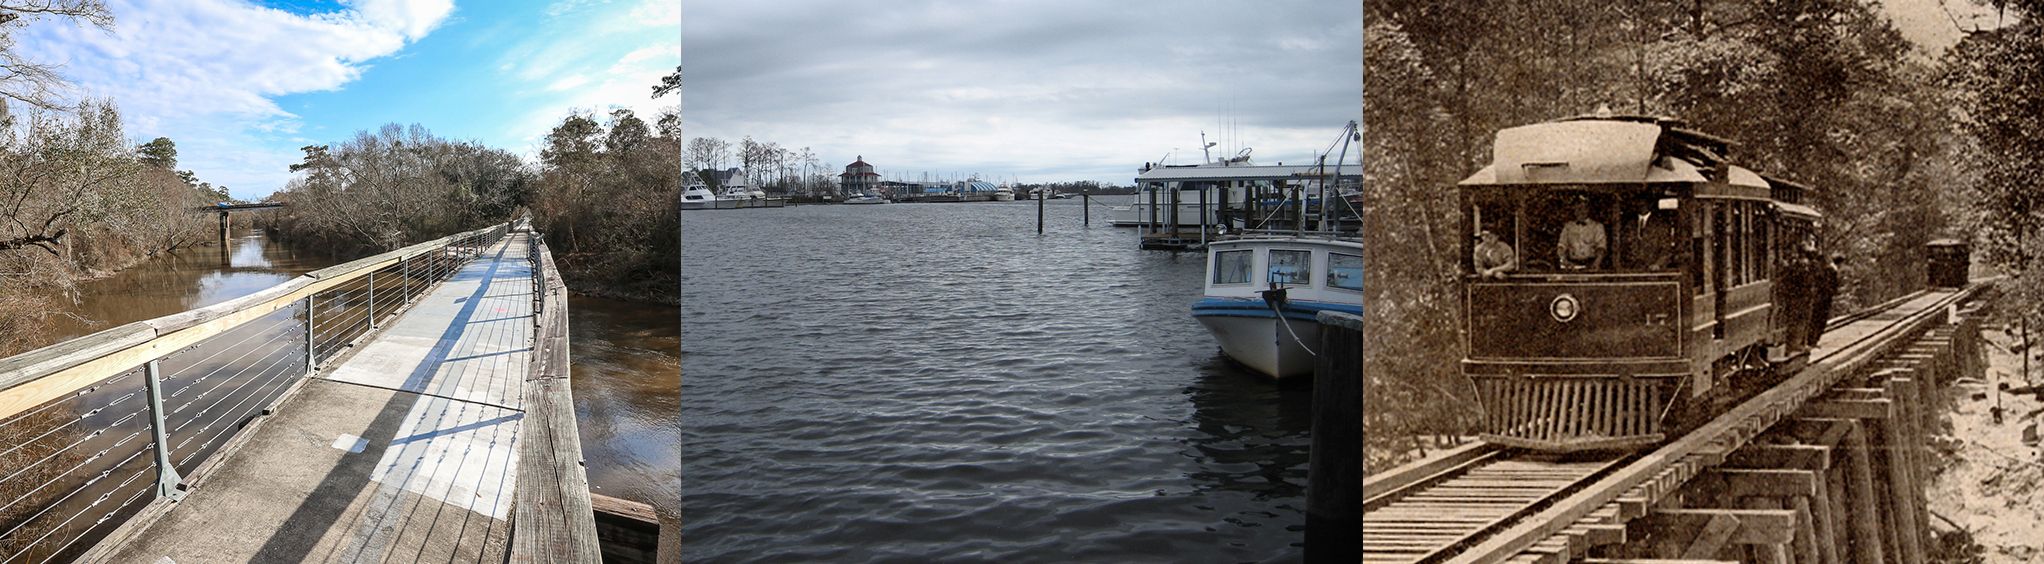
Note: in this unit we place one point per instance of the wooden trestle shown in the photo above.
(1831, 466)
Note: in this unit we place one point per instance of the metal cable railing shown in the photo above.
(94, 429)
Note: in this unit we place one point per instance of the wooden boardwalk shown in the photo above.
(404, 450)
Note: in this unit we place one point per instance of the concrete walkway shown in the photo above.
(404, 452)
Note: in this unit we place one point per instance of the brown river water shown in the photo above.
(626, 356)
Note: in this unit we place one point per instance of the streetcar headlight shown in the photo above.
(1564, 308)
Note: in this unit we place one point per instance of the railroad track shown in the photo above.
(1428, 520)
(1437, 510)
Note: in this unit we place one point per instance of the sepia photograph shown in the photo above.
(339, 281)
(1702, 281)
(1042, 281)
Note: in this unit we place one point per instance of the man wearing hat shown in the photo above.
(1825, 284)
(1582, 243)
(1493, 257)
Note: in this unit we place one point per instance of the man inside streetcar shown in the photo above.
(1493, 257)
(1582, 243)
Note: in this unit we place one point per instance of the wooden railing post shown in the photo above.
(372, 300)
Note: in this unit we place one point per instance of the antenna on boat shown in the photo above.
(1204, 146)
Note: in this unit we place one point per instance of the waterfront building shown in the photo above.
(858, 178)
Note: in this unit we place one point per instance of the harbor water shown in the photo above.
(913, 382)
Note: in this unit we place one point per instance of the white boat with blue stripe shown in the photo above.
(1254, 281)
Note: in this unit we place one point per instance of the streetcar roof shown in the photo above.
(1590, 151)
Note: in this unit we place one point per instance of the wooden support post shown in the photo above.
(1086, 209)
(1039, 211)
(1871, 541)
(1718, 528)
(225, 228)
(1903, 463)
(1888, 437)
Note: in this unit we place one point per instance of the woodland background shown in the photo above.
(1903, 146)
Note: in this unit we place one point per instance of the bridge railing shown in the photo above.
(552, 519)
(94, 429)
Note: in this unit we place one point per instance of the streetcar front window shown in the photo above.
(1493, 249)
(1569, 231)
(1648, 237)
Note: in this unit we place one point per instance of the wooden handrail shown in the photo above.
(29, 379)
(552, 518)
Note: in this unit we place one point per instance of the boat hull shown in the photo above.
(1248, 332)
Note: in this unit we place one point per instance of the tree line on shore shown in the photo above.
(602, 191)
(769, 166)
(78, 201)
(1902, 147)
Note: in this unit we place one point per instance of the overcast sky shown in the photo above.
(241, 85)
(1040, 90)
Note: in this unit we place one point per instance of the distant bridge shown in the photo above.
(438, 372)
(224, 208)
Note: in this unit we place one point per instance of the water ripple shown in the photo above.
(938, 382)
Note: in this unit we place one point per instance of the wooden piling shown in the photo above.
(1334, 471)
(1041, 196)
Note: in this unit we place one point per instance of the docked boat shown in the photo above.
(1263, 292)
(1004, 194)
(865, 198)
(695, 195)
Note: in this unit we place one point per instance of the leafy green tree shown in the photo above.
(160, 153)
(668, 84)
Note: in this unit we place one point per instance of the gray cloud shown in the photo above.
(1050, 90)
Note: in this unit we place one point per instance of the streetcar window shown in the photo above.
(1765, 227)
(1291, 267)
(1493, 212)
(1568, 231)
(1231, 267)
(1647, 237)
(1702, 277)
(1740, 251)
(1345, 271)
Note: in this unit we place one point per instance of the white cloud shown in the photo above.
(206, 72)
(568, 72)
(413, 17)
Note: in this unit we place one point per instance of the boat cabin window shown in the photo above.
(1290, 268)
(1345, 271)
(1232, 267)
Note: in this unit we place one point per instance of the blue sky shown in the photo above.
(240, 86)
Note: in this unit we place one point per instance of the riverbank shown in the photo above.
(1988, 478)
(28, 314)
